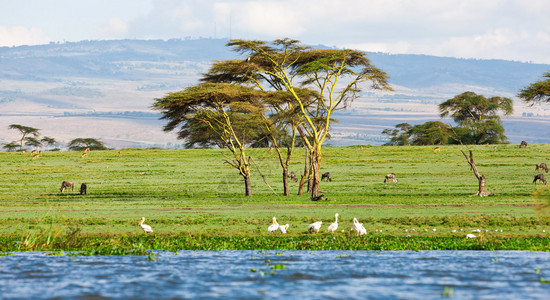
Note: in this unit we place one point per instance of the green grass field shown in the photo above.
(192, 193)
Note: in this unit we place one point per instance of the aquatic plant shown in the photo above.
(278, 267)
(447, 292)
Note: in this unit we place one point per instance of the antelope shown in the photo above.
(87, 149)
(83, 154)
(437, 149)
(119, 153)
(35, 156)
(24, 152)
(33, 152)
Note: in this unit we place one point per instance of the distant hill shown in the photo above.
(104, 89)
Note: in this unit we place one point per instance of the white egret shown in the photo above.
(358, 227)
(334, 225)
(273, 227)
(284, 228)
(146, 228)
(314, 227)
(470, 236)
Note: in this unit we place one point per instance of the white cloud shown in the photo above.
(113, 29)
(20, 35)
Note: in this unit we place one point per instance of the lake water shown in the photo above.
(279, 274)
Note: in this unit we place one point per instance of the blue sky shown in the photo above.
(489, 29)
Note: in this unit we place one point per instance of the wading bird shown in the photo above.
(334, 225)
(284, 228)
(146, 228)
(273, 227)
(314, 227)
(358, 227)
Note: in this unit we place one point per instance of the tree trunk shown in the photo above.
(247, 185)
(316, 172)
(286, 192)
(304, 175)
(481, 191)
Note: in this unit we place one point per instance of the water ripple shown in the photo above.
(270, 274)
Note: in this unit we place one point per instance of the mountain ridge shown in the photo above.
(94, 83)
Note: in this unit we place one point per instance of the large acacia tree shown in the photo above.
(226, 115)
(479, 116)
(288, 66)
(25, 132)
(537, 92)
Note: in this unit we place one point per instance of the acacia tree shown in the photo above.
(10, 146)
(226, 115)
(49, 141)
(430, 133)
(286, 65)
(479, 115)
(79, 144)
(33, 142)
(399, 136)
(537, 92)
(24, 130)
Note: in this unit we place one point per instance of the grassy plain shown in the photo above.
(195, 201)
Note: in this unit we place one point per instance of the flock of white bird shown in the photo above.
(316, 226)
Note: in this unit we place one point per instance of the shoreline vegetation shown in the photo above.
(193, 201)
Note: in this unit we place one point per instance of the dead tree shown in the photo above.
(539, 177)
(542, 166)
(480, 178)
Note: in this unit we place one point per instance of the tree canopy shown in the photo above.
(477, 118)
(25, 131)
(537, 92)
(290, 87)
(80, 144)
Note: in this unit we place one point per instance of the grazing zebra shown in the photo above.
(391, 177)
(292, 176)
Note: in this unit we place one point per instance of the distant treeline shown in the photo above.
(110, 114)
